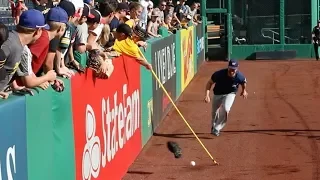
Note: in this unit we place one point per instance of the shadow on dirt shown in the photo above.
(139, 172)
(282, 132)
(185, 136)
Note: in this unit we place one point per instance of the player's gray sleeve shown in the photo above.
(6, 48)
(6, 51)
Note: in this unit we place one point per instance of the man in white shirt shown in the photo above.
(144, 15)
(96, 24)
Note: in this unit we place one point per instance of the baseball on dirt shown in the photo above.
(193, 163)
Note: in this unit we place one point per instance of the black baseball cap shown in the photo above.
(96, 18)
(233, 64)
(86, 11)
(125, 29)
(122, 6)
(69, 8)
(140, 32)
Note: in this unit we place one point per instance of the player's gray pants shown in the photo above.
(221, 105)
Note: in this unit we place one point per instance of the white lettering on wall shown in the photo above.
(120, 120)
(165, 60)
(10, 157)
(200, 44)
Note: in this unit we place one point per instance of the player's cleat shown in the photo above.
(175, 149)
(215, 132)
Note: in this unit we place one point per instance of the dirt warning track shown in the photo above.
(274, 134)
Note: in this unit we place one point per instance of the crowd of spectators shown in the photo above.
(57, 38)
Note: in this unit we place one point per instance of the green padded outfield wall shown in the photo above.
(178, 57)
(13, 146)
(146, 99)
(40, 133)
(50, 135)
(247, 51)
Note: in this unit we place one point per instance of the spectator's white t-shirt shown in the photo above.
(82, 34)
(144, 15)
(97, 31)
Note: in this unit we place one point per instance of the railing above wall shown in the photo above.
(273, 37)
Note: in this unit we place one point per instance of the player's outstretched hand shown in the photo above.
(244, 94)
(207, 99)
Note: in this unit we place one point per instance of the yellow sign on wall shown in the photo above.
(187, 57)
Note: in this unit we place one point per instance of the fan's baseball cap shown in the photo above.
(57, 14)
(69, 8)
(140, 32)
(33, 19)
(86, 11)
(78, 4)
(97, 18)
(233, 64)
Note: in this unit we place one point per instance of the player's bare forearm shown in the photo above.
(208, 87)
(244, 86)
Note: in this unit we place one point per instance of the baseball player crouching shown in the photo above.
(226, 82)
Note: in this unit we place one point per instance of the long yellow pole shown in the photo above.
(186, 122)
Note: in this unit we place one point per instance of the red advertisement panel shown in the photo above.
(106, 117)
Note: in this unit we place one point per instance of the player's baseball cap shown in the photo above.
(233, 64)
(57, 14)
(33, 19)
(69, 8)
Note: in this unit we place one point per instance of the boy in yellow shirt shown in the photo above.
(125, 44)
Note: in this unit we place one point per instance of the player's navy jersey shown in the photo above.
(225, 84)
(316, 31)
